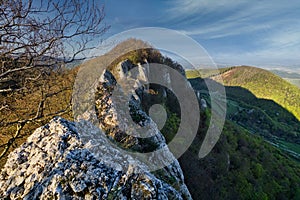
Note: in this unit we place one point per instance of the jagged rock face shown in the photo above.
(55, 164)
(114, 122)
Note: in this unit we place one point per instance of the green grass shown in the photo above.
(281, 133)
(241, 166)
(260, 117)
(265, 85)
(204, 73)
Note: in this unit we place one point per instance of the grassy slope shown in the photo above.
(241, 166)
(265, 118)
(258, 116)
(266, 85)
(204, 73)
(255, 168)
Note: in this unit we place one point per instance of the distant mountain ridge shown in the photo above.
(293, 78)
(255, 154)
(244, 164)
(265, 85)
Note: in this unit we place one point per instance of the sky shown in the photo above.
(263, 33)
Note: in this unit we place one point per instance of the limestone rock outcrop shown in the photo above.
(75, 160)
(54, 164)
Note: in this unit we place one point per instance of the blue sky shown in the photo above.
(259, 32)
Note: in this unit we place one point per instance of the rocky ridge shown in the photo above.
(54, 163)
(58, 162)
(115, 122)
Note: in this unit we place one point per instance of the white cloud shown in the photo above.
(220, 30)
(241, 16)
(181, 8)
(273, 26)
(285, 37)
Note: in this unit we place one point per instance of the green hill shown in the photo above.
(244, 165)
(258, 116)
(266, 85)
(204, 73)
(240, 166)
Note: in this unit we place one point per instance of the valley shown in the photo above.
(256, 156)
(150, 100)
(259, 116)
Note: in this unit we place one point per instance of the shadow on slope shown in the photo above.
(243, 165)
(259, 116)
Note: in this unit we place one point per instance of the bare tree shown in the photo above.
(36, 39)
(38, 34)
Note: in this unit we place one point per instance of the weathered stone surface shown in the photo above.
(115, 122)
(55, 164)
(67, 160)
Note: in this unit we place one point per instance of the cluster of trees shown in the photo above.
(37, 39)
(241, 166)
(260, 115)
(266, 85)
(35, 35)
(142, 53)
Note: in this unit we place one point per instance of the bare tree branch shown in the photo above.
(3, 107)
(11, 140)
(47, 34)
(37, 38)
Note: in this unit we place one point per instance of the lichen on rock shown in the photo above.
(77, 160)
(55, 164)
